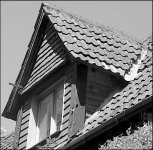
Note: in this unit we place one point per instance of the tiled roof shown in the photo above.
(134, 93)
(137, 91)
(7, 141)
(89, 42)
(93, 43)
(145, 63)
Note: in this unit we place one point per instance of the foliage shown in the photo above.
(3, 133)
(140, 138)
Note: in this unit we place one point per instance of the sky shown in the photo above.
(17, 25)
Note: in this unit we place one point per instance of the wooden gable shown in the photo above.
(46, 52)
(51, 54)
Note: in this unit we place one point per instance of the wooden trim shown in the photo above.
(66, 96)
(49, 90)
(77, 104)
(32, 122)
(63, 104)
(72, 101)
(46, 82)
(17, 129)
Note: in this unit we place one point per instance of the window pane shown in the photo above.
(59, 106)
(50, 113)
(44, 112)
(43, 121)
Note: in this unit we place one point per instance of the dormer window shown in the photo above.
(50, 113)
(46, 113)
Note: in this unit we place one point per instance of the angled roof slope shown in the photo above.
(7, 142)
(88, 42)
(137, 92)
(93, 43)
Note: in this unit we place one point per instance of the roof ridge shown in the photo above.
(96, 24)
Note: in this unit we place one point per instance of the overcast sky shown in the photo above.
(17, 25)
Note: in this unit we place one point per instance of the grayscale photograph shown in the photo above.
(76, 75)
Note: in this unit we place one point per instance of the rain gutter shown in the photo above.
(109, 124)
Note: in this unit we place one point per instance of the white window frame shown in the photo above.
(49, 100)
(33, 131)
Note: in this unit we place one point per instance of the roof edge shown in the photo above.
(108, 124)
(14, 93)
(93, 23)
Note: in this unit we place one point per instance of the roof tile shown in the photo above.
(98, 38)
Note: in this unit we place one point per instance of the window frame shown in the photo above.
(46, 84)
(42, 96)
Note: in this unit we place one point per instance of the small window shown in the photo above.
(50, 113)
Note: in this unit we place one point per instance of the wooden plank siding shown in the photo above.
(24, 126)
(77, 103)
(17, 129)
(50, 55)
(66, 107)
(99, 87)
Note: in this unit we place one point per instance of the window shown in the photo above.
(50, 113)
